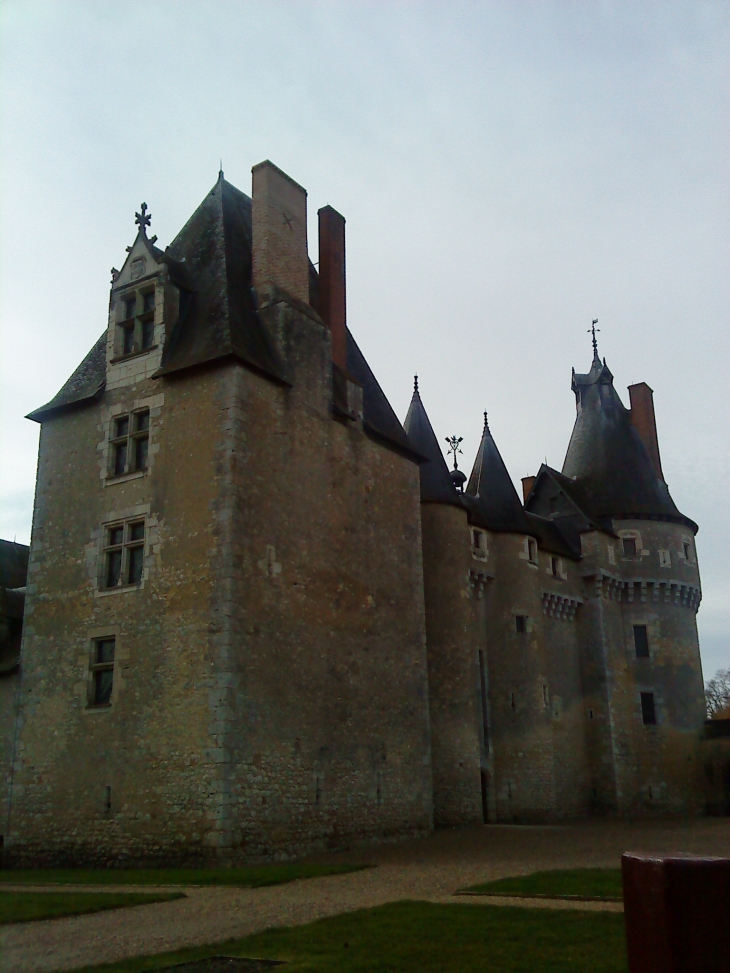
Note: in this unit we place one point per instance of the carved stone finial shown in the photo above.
(415, 383)
(115, 275)
(486, 424)
(143, 218)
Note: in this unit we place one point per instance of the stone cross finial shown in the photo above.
(453, 442)
(143, 218)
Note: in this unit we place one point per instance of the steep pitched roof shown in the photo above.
(606, 459)
(219, 319)
(86, 383)
(378, 415)
(491, 486)
(436, 484)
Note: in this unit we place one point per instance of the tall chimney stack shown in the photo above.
(332, 296)
(279, 230)
(527, 484)
(644, 421)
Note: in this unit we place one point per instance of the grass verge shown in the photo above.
(29, 906)
(255, 876)
(429, 938)
(587, 883)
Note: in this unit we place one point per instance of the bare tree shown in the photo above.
(717, 692)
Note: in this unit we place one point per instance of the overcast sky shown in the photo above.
(508, 170)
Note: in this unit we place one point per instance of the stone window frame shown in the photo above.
(132, 437)
(479, 546)
(635, 535)
(152, 403)
(97, 667)
(688, 551)
(532, 551)
(84, 689)
(665, 558)
(127, 547)
(521, 621)
(144, 338)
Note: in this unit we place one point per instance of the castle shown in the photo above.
(263, 617)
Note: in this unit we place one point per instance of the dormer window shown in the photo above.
(137, 327)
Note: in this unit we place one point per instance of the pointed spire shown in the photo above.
(496, 500)
(436, 484)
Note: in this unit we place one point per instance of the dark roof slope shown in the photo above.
(378, 415)
(436, 484)
(550, 537)
(219, 319)
(606, 459)
(494, 492)
(86, 383)
(13, 564)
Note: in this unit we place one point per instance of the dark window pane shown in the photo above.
(121, 427)
(116, 535)
(113, 568)
(136, 556)
(103, 682)
(142, 421)
(105, 650)
(148, 334)
(648, 712)
(136, 531)
(120, 459)
(686, 552)
(554, 565)
(140, 454)
(520, 623)
(128, 345)
(629, 547)
(149, 301)
(130, 305)
(641, 641)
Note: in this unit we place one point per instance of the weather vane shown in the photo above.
(453, 442)
(592, 331)
(143, 219)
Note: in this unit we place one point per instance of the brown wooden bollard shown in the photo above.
(677, 913)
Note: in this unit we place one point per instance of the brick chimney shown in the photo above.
(527, 483)
(332, 296)
(279, 229)
(642, 417)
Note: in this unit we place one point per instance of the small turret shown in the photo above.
(437, 485)
(495, 499)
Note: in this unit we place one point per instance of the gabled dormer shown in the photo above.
(143, 308)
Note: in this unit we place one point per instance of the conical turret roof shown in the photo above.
(490, 484)
(606, 458)
(220, 318)
(436, 484)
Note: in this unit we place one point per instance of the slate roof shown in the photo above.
(378, 416)
(436, 483)
(219, 319)
(86, 383)
(608, 469)
(491, 486)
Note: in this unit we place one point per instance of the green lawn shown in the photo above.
(254, 877)
(420, 936)
(27, 906)
(602, 883)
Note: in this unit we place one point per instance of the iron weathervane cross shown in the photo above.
(592, 331)
(453, 442)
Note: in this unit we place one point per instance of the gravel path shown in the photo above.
(430, 869)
